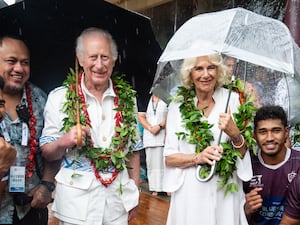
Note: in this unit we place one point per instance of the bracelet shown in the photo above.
(241, 145)
(237, 139)
(160, 126)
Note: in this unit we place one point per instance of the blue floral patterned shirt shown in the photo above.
(14, 129)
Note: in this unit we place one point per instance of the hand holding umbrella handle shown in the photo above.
(211, 173)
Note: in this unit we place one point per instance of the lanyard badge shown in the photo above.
(17, 179)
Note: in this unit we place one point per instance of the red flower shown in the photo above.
(118, 118)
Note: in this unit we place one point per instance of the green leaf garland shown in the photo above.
(200, 135)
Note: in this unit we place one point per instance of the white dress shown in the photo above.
(154, 145)
(199, 203)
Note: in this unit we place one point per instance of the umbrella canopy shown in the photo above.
(264, 47)
(50, 28)
(236, 32)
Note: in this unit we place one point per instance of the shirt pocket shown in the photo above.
(72, 194)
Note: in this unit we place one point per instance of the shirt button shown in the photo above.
(103, 117)
(104, 138)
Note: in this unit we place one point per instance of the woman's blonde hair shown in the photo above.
(188, 65)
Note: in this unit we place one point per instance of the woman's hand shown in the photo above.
(227, 125)
(208, 155)
(154, 129)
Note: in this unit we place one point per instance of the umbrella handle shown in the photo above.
(78, 125)
(211, 173)
(213, 167)
(79, 135)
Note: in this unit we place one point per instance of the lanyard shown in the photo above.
(154, 107)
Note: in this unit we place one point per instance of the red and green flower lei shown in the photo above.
(125, 130)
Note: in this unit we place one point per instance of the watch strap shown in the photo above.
(49, 185)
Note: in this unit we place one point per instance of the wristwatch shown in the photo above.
(49, 185)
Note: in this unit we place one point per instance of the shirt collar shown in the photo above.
(108, 92)
(287, 156)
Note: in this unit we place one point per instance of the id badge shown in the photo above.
(17, 179)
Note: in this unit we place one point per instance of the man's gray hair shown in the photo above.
(98, 31)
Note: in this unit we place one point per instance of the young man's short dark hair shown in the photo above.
(271, 112)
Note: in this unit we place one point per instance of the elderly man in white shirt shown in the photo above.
(93, 185)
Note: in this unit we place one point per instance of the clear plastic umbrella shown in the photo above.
(268, 56)
(266, 50)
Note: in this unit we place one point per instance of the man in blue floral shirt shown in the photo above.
(28, 192)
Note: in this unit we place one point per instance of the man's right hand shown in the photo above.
(70, 139)
(253, 201)
(7, 156)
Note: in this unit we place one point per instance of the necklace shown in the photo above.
(200, 135)
(125, 130)
(32, 140)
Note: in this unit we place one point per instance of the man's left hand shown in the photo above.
(41, 197)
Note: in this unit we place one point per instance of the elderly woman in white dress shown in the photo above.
(193, 202)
